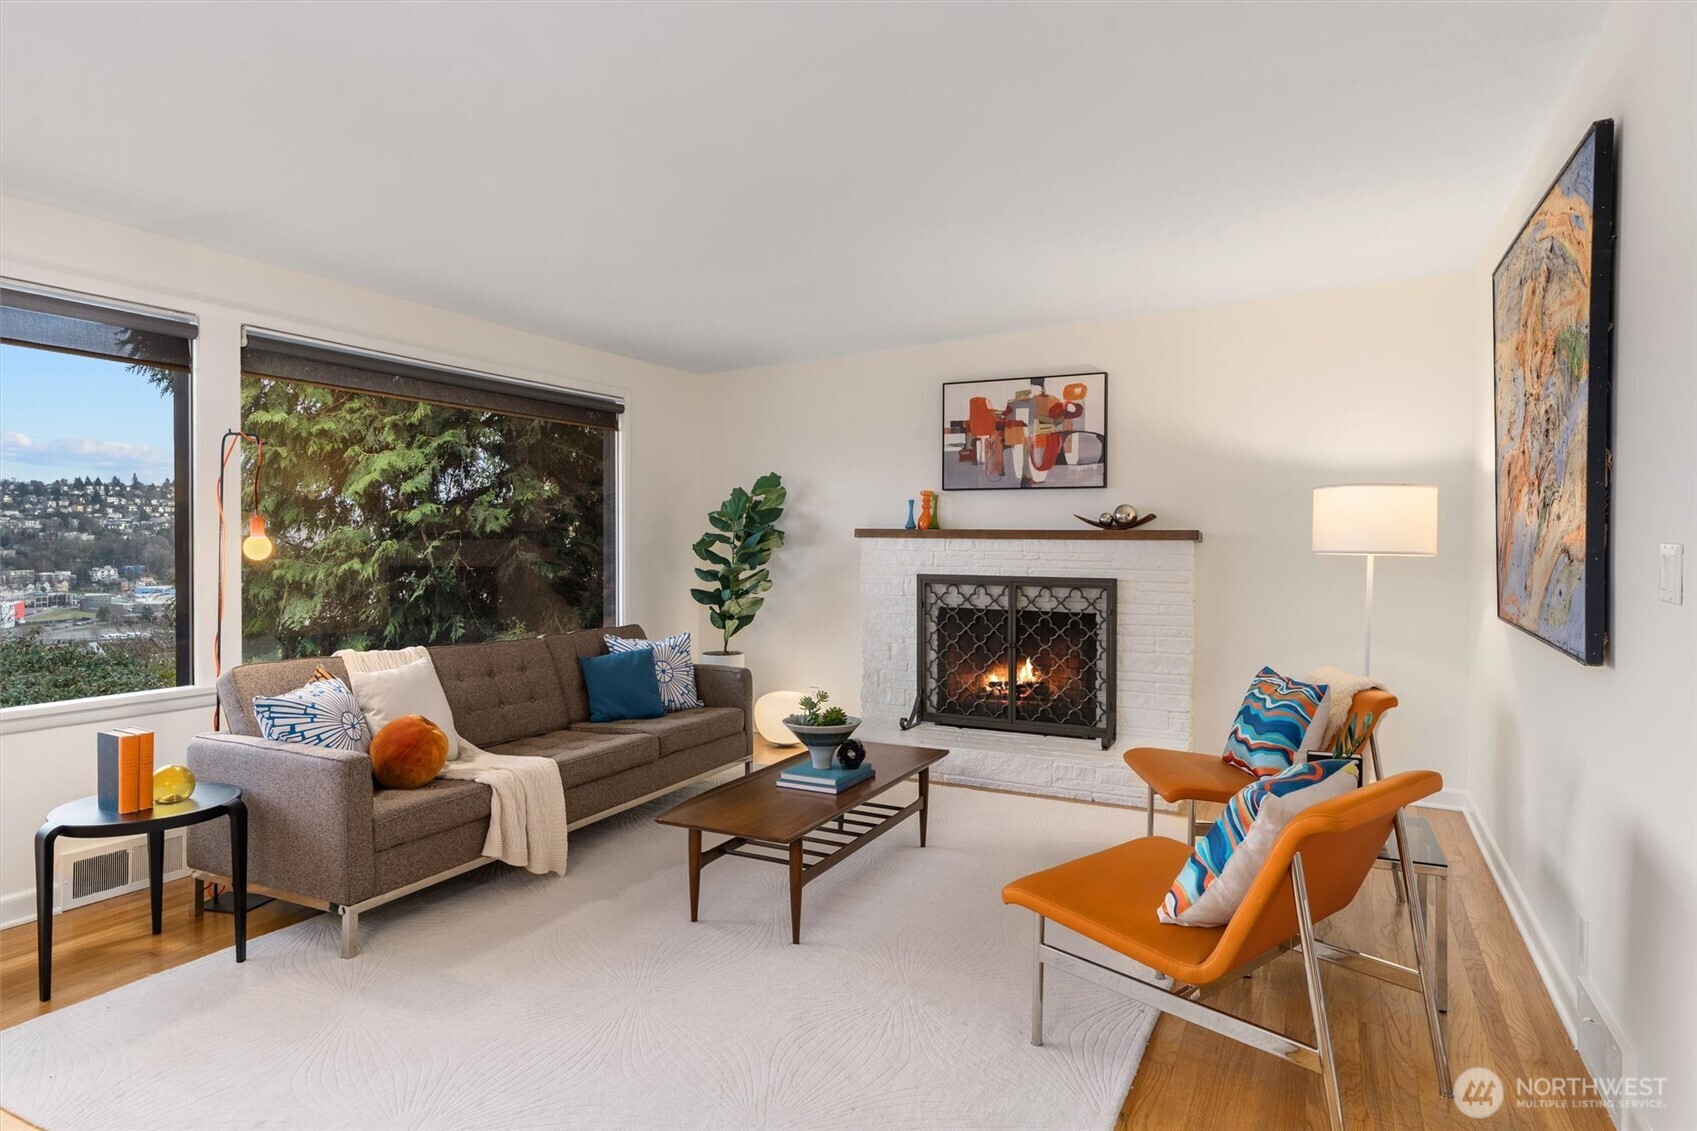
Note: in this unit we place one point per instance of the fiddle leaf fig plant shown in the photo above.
(737, 551)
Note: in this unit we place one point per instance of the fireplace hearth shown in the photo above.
(1030, 654)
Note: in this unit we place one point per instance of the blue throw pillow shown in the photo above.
(622, 685)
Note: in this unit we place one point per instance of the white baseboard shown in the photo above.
(17, 908)
(1455, 799)
(1557, 982)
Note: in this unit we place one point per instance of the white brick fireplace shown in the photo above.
(1155, 656)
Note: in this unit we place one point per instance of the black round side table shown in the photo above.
(85, 818)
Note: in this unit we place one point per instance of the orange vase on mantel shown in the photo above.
(928, 510)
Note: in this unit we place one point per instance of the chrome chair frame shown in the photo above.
(1186, 1001)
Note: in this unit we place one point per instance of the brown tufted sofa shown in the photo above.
(321, 833)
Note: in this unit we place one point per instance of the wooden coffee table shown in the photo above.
(814, 831)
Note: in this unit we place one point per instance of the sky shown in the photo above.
(62, 416)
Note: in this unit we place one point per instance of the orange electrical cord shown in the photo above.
(231, 442)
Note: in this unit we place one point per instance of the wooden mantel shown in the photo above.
(1076, 534)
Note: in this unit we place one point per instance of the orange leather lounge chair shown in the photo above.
(1182, 775)
(1315, 869)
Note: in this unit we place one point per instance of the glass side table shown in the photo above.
(1431, 873)
(84, 818)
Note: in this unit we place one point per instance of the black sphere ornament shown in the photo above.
(851, 754)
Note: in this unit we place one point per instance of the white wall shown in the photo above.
(1584, 777)
(1222, 420)
(41, 767)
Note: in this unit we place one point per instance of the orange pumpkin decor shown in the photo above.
(408, 752)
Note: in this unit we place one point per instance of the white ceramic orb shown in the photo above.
(770, 711)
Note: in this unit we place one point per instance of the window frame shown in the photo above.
(279, 356)
(29, 300)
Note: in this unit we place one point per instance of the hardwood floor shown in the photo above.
(1500, 1016)
(110, 944)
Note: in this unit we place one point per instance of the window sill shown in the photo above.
(104, 708)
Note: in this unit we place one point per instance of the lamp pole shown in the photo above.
(1367, 651)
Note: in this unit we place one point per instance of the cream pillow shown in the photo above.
(411, 689)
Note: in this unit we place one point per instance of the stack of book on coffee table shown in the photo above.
(834, 780)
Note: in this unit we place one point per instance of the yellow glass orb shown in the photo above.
(172, 784)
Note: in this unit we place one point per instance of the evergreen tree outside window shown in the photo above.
(420, 519)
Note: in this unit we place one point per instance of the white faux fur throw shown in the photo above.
(1341, 689)
(527, 812)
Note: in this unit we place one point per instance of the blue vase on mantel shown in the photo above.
(911, 525)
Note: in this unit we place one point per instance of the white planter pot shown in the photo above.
(722, 659)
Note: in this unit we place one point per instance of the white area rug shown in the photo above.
(506, 1000)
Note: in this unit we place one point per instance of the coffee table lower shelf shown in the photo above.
(807, 833)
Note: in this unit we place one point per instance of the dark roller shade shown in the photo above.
(268, 354)
(51, 322)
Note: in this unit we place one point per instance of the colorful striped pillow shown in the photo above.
(1274, 723)
(1213, 882)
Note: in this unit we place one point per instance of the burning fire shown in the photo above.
(1026, 677)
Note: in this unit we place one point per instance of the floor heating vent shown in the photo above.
(103, 872)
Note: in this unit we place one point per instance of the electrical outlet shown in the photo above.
(1670, 573)
(1600, 1045)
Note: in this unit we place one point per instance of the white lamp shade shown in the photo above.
(1376, 518)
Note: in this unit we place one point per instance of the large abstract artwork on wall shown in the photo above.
(1026, 432)
(1553, 308)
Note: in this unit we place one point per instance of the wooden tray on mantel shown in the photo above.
(1071, 534)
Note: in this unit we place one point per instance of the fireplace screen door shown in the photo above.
(1032, 654)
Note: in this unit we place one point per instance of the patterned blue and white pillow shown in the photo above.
(323, 713)
(674, 668)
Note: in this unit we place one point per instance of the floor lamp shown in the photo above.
(1374, 520)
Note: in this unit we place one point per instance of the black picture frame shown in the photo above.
(1100, 393)
(1590, 645)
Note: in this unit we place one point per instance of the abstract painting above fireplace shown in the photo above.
(1030, 654)
(1007, 434)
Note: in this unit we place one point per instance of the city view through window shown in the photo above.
(88, 547)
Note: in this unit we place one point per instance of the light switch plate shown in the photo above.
(1670, 583)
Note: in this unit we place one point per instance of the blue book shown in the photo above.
(836, 779)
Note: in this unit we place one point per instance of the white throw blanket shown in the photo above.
(527, 814)
(1341, 690)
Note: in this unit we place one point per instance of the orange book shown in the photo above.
(129, 770)
(144, 769)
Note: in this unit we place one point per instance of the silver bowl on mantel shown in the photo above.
(821, 742)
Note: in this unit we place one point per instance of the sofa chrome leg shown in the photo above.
(350, 931)
(1149, 816)
(1190, 834)
(1316, 996)
(1037, 985)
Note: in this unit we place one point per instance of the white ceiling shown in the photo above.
(721, 185)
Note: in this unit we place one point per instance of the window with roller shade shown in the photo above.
(415, 504)
(94, 499)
